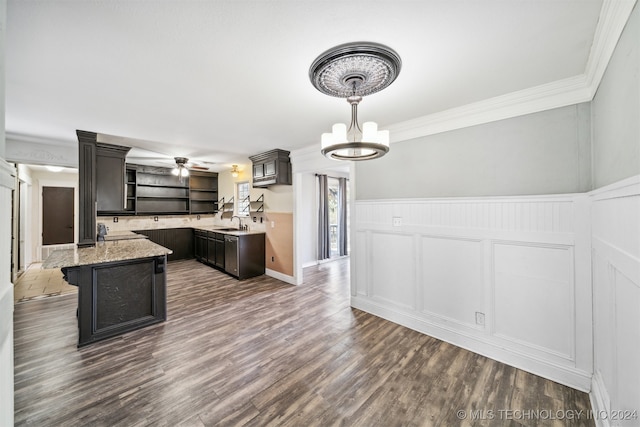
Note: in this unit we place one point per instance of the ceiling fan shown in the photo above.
(144, 157)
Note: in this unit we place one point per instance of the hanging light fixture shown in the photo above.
(351, 71)
(181, 170)
(234, 171)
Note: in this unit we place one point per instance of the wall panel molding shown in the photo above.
(615, 246)
(495, 275)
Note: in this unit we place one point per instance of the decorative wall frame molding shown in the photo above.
(521, 263)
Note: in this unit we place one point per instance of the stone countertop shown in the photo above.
(225, 230)
(123, 235)
(118, 250)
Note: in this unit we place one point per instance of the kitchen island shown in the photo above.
(121, 285)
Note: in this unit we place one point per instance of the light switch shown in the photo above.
(273, 224)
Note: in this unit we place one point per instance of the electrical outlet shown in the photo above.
(273, 224)
(273, 259)
(397, 221)
(198, 217)
(155, 218)
(115, 219)
(479, 318)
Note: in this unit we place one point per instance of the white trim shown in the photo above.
(573, 90)
(280, 276)
(614, 15)
(559, 221)
(577, 89)
(598, 399)
(561, 93)
(626, 187)
(7, 175)
(567, 375)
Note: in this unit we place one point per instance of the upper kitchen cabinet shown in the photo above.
(101, 176)
(271, 168)
(110, 178)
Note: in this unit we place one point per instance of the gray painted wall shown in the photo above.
(616, 111)
(541, 153)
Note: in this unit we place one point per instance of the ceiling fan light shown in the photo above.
(175, 171)
(184, 172)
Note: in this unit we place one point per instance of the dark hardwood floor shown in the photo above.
(262, 352)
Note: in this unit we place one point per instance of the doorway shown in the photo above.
(57, 215)
(336, 210)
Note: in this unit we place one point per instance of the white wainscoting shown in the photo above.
(7, 184)
(505, 277)
(616, 295)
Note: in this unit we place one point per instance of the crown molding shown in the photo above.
(33, 139)
(573, 90)
(614, 15)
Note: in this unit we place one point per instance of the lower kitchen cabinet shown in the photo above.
(118, 297)
(238, 254)
(218, 260)
(179, 240)
(241, 256)
(200, 245)
(244, 255)
(215, 249)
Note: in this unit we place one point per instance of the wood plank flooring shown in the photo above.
(261, 352)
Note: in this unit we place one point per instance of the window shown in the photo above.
(242, 189)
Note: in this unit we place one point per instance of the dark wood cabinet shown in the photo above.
(131, 190)
(215, 249)
(241, 256)
(153, 190)
(179, 240)
(101, 183)
(110, 178)
(219, 243)
(158, 191)
(244, 255)
(118, 297)
(200, 245)
(271, 168)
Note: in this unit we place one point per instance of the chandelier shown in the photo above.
(351, 71)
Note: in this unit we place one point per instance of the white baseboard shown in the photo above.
(280, 276)
(566, 375)
(597, 398)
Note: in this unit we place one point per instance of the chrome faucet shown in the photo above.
(244, 227)
(239, 221)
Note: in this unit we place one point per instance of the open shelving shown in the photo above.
(253, 206)
(203, 193)
(226, 207)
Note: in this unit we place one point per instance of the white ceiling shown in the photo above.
(222, 80)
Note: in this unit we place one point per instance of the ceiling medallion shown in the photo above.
(351, 71)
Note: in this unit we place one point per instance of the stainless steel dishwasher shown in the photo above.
(231, 254)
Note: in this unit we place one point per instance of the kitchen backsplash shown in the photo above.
(132, 223)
